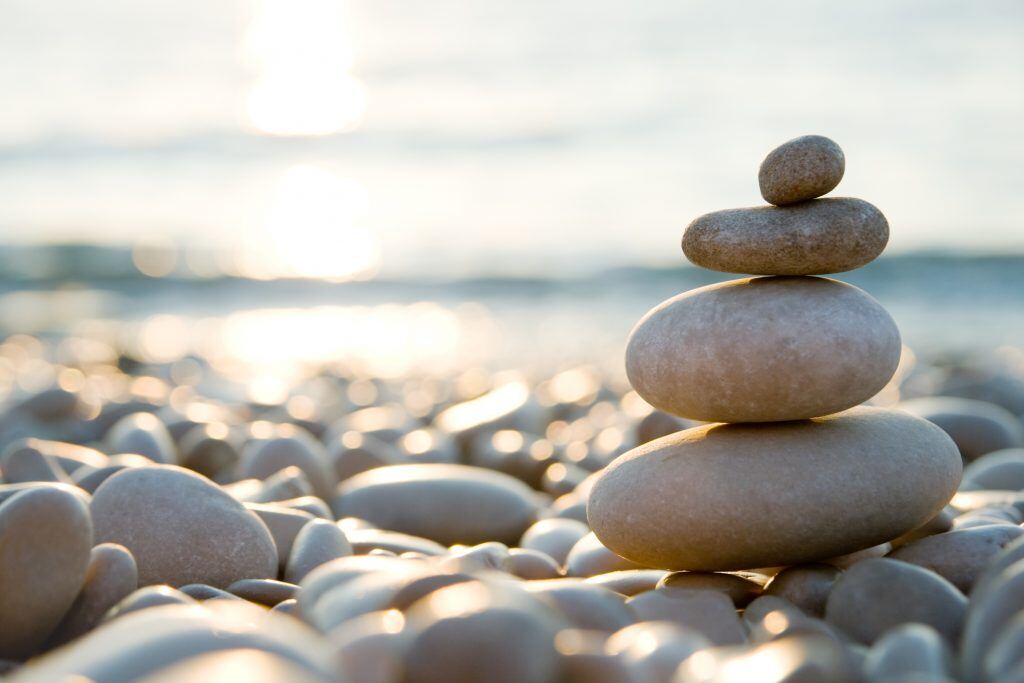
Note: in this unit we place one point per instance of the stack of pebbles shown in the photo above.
(790, 470)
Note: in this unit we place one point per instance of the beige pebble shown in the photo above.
(629, 581)
(208, 449)
(761, 495)
(738, 589)
(770, 349)
(142, 434)
(353, 453)
(181, 528)
(523, 456)
(1004, 559)
(317, 542)
(710, 613)
(763, 605)
(554, 537)
(657, 424)
(1002, 469)
(45, 538)
(250, 665)
(959, 556)
(290, 447)
(445, 503)
(371, 648)
(585, 605)
(876, 595)
(148, 597)
(203, 592)
(472, 631)
(22, 462)
(532, 565)
(288, 483)
(284, 525)
(799, 169)
(583, 660)
(943, 521)
(656, 646)
(816, 238)
(264, 591)
(311, 504)
(911, 651)
(994, 603)
(794, 658)
(849, 559)
(590, 557)
(805, 585)
(337, 573)
(110, 577)
(483, 557)
(290, 606)
(69, 456)
(367, 540)
(977, 427)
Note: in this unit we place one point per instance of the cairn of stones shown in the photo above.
(790, 468)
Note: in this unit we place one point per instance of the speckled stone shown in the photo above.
(802, 168)
(725, 497)
(110, 577)
(876, 595)
(45, 539)
(816, 238)
(182, 528)
(445, 503)
(763, 350)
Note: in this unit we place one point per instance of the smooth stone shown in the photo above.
(148, 597)
(800, 169)
(318, 542)
(629, 582)
(585, 605)
(763, 350)
(110, 577)
(876, 595)
(532, 565)
(472, 631)
(22, 462)
(1000, 470)
(311, 504)
(135, 645)
(977, 427)
(583, 660)
(286, 607)
(710, 613)
(1006, 653)
(294, 447)
(203, 592)
(657, 424)
(353, 453)
(335, 573)
(816, 238)
(656, 646)
(365, 541)
(787, 623)
(911, 651)
(370, 649)
(762, 606)
(285, 484)
(143, 434)
(737, 496)
(483, 557)
(805, 585)
(421, 585)
(994, 604)
(738, 589)
(208, 449)
(523, 456)
(555, 537)
(444, 503)
(89, 481)
(1007, 557)
(70, 456)
(264, 591)
(249, 665)
(794, 659)
(590, 557)
(45, 539)
(181, 528)
(959, 556)
(284, 525)
(848, 560)
(938, 524)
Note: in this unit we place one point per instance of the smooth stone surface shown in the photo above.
(249, 665)
(365, 541)
(555, 537)
(317, 543)
(738, 589)
(805, 585)
(148, 597)
(445, 503)
(590, 557)
(657, 646)
(977, 427)
(763, 350)
(203, 592)
(816, 238)
(45, 538)
(182, 529)
(994, 604)
(110, 577)
(710, 613)
(1002, 469)
(909, 651)
(353, 453)
(959, 556)
(725, 497)
(208, 449)
(585, 605)
(532, 565)
(284, 525)
(629, 581)
(799, 169)
(143, 434)
(583, 660)
(795, 659)
(264, 591)
(1005, 655)
(22, 462)
(876, 595)
(293, 447)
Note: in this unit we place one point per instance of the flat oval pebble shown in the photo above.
(45, 539)
(977, 427)
(181, 528)
(726, 497)
(585, 605)
(805, 585)
(763, 350)
(910, 652)
(816, 238)
(799, 169)
(738, 589)
(264, 591)
(876, 595)
(710, 613)
(290, 447)
(445, 503)
(554, 537)
(589, 557)
(110, 577)
(959, 556)
(317, 543)
(657, 646)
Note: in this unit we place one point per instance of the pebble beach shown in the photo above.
(774, 487)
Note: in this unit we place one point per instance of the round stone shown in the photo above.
(806, 585)
(144, 434)
(802, 168)
(45, 538)
(110, 577)
(977, 427)
(444, 503)
(763, 350)
(181, 528)
(959, 556)
(819, 237)
(877, 595)
(554, 536)
(317, 543)
(739, 496)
